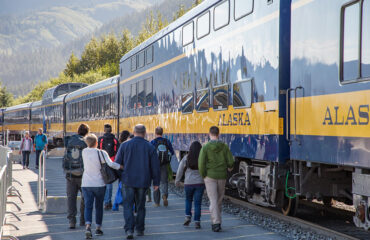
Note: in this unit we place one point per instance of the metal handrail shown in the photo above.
(41, 186)
(3, 198)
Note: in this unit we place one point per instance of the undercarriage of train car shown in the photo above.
(281, 186)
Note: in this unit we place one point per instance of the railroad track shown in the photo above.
(330, 230)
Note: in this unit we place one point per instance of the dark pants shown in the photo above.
(73, 187)
(108, 194)
(38, 152)
(26, 158)
(91, 194)
(130, 196)
(194, 193)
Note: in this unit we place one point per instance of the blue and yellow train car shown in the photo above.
(95, 105)
(37, 116)
(17, 121)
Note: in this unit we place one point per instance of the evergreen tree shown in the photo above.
(6, 98)
(73, 66)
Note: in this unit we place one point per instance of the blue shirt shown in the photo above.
(140, 163)
(169, 145)
(40, 141)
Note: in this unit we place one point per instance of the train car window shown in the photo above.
(84, 110)
(203, 25)
(133, 96)
(242, 8)
(88, 104)
(133, 63)
(141, 59)
(220, 97)
(188, 33)
(149, 92)
(141, 94)
(94, 107)
(108, 105)
(101, 106)
(365, 55)
(80, 109)
(112, 104)
(149, 54)
(202, 103)
(242, 94)
(221, 16)
(187, 103)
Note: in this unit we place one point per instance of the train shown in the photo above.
(287, 83)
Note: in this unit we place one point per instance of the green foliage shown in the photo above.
(152, 25)
(6, 98)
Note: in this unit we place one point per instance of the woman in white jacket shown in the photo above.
(93, 186)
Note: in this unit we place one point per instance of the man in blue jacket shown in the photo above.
(40, 144)
(140, 167)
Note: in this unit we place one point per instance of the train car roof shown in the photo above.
(173, 26)
(60, 98)
(93, 88)
(36, 104)
(19, 107)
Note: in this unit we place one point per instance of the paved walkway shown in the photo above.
(161, 223)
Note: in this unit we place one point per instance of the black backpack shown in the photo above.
(109, 144)
(72, 161)
(163, 152)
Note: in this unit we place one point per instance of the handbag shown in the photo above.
(108, 174)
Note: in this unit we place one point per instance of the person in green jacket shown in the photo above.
(215, 159)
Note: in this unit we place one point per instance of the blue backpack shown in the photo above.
(72, 162)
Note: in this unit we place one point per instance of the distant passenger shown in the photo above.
(110, 144)
(215, 159)
(74, 168)
(123, 137)
(26, 149)
(164, 151)
(140, 168)
(194, 184)
(93, 186)
(41, 143)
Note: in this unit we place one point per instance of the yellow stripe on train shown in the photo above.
(341, 114)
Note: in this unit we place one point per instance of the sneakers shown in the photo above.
(98, 232)
(72, 225)
(187, 221)
(129, 235)
(197, 225)
(165, 201)
(88, 234)
(216, 227)
(108, 206)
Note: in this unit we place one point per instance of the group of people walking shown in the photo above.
(29, 145)
(140, 164)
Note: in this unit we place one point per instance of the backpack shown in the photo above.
(109, 144)
(163, 152)
(72, 161)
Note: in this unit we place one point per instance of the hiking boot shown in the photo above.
(129, 235)
(88, 234)
(187, 221)
(98, 232)
(72, 225)
(165, 201)
(216, 227)
(197, 225)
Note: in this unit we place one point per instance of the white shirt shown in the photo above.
(92, 176)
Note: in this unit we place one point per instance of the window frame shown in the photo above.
(209, 100)
(131, 61)
(150, 79)
(146, 55)
(183, 27)
(237, 19)
(228, 97)
(138, 93)
(138, 59)
(182, 95)
(214, 16)
(243, 81)
(133, 106)
(209, 24)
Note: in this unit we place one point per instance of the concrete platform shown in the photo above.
(161, 223)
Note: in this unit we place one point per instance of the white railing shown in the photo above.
(41, 187)
(6, 190)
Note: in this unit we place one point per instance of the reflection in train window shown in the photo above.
(141, 60)
(88, 108)
(188, 33)
(133, 96)
(133, 63)
(101, 106)
(365, 64)
(141, 94)
(202, 100)
(220, 97)
(149, 55)
(242, 94)
(187, 103)
(242, 8)
(221, 15)
(203, 25)
(107, 105)
(149, 92)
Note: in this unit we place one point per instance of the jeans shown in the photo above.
(163, 187)
(195, 193)
(131, 195)
(38, 152)
(215, 191)
(73, 186)
(108, 194)
(26, 158)
(91, 194)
